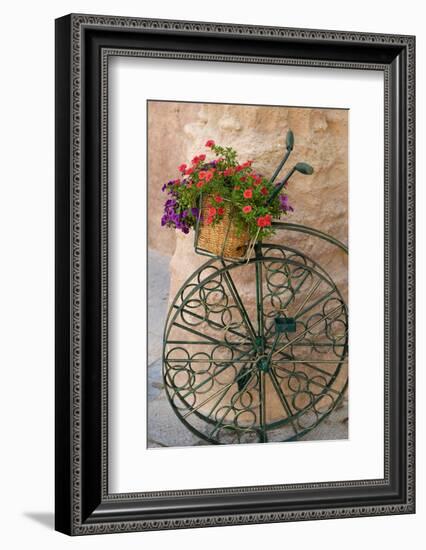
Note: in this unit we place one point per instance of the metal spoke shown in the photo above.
(206, 343)
(305, 361)
(197, 333)
(296, 289)
(238, 394)
(319, 344)
(212, 323)
(227, 364)
(310, 307)
(282, 397)
(238, 301)
(259, 300)
(294, 292)
(288, 371)
(262, 406)
(310, 363)
(311, 292)
(308, 329)
(225, 388)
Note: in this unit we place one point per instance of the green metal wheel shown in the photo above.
(265, 365)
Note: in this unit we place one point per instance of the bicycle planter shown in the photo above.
(268, 369)
(268, 365)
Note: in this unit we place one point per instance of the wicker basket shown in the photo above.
(222, 238)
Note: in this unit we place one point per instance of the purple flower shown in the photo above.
(284, 205)
(173, 218)
(170, 183)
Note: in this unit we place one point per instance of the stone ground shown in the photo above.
(164, 428)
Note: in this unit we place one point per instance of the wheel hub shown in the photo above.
(263, 364)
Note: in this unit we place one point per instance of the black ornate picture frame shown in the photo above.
(84, 43)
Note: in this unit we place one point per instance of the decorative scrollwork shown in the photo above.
(230, 378)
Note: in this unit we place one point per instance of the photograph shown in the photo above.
(247, 224)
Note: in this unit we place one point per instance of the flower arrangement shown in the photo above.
(209, 188)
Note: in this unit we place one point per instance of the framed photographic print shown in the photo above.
(228, 198)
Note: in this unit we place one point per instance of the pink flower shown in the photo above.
(209, 143)
(248, 193)
(218, 198)
(247, 209)
(182, 168)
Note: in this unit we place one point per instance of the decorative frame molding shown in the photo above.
(84, 43)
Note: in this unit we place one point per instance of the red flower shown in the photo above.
(264, 191)
(209, 143)
(263, 221)
(218, 198)
(202, 174)
(189, 171)
(198, 159)
(248, 193)
(221, 211)
(209, 220)
(247, 209)
(243, 179)
(228, 172)
(256, 179)
(200, 184)
(212, 211)
(247, 164)
(182, 168)
(208, 175)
